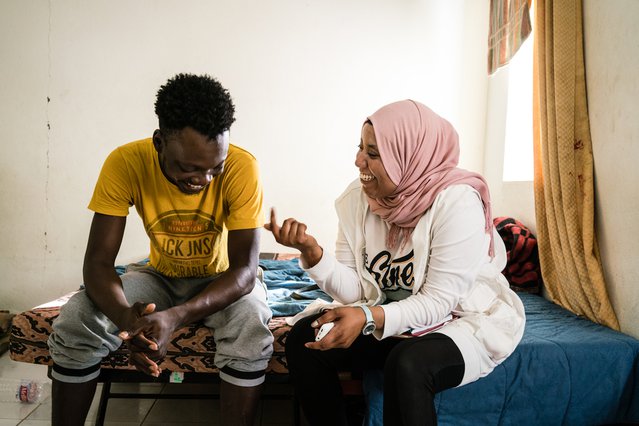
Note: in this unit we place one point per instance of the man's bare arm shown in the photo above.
(103, 284)
(104, 288)
(235, 282)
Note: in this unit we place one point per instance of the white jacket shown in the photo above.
(453, 273)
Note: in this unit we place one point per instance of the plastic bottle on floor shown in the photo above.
(27, 391)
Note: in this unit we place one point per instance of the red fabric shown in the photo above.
(522, 267)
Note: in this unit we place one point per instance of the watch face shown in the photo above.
(368, 328)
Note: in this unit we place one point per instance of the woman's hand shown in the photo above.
(293, 234)
(349, 322)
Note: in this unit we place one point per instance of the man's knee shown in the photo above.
(243, 360)
(81, 336)
(244, 342)
(79, 316)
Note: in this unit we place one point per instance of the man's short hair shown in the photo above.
(196, 101)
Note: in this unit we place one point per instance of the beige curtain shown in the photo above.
(564, 189)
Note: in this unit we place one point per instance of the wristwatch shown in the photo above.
(369, 327)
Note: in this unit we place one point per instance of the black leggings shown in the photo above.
(414, 370)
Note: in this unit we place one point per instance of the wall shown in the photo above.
(509, 198)
(612, 61)
(79, 78)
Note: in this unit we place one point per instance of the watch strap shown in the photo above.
(370, 322)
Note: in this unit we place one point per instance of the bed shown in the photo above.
(566, 370)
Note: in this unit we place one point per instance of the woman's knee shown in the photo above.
(297, 337)
(434, 361)
(402, 364)
(301, 332)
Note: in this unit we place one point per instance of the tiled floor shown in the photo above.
(146, 412)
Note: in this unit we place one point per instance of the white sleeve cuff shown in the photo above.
(322, 270)
(392, 316)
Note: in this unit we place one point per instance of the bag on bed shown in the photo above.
(522, 267)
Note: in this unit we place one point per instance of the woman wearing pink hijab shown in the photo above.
(416, 275)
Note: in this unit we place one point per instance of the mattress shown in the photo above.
(566, 371)
(191, 348)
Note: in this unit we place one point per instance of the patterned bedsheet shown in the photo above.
(192, 348)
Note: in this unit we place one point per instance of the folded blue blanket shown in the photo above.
(290, 289)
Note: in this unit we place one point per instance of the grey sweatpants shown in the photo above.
(83, 335)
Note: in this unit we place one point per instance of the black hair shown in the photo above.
(196, 101)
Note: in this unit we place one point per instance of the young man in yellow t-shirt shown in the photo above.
(200, 200)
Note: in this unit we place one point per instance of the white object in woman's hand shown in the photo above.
(323, 331)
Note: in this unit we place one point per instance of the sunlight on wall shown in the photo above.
(518, 150)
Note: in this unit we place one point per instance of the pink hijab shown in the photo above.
(420, 152)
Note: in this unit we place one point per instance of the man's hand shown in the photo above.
(148, 335)
(348, 321)
(293, 234)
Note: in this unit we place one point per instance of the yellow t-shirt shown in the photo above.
(188, 233)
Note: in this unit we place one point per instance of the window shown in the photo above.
(518, 147)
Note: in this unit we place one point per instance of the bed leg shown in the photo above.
(104, 400)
